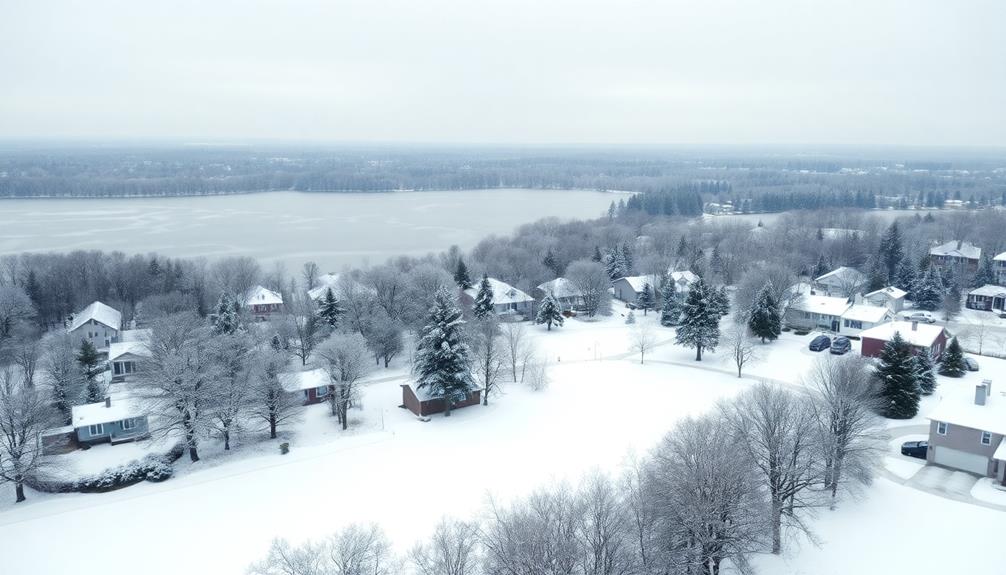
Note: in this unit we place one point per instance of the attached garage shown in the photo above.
(962, 460)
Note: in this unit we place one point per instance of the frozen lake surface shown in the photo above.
(333, 229)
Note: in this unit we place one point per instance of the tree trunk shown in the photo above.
(777, 527)
(272, 426)
(193, 453)
(19, 490)
(447, 407)
(227, 439)
(343, 413)
(698, 353)
(836, 472)
(387, 361)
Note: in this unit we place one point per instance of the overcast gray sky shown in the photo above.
(928, 72)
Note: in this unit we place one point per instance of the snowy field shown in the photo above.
(220, 514)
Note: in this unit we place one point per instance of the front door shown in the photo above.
(835, 325)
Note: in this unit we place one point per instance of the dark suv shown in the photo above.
(820, 342)
(915, 449)
(841, 345)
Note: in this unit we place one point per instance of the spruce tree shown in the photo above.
(551, 262)
(483, 306)
(699, 328)
(613, 264)
(876, 275)
(722, 301)
(928, 290)
(90, 368)
(985, 274)
(329, 309)
(597, 257)
(628, 262)
(924, 373)
(646, 299)
(891, 249)
(671, 307)
(906, 278)
(550, 312)
(821, 268)
(764, 320)
(952, 362)
(443, 358)
(461, 276)
(225, 317)
(899, 387)
(630, 318)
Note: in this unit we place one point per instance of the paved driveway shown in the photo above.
(947, 482)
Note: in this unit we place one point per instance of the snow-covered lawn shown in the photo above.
(404, 474)
(987, 490)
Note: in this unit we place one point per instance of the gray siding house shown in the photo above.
(508, 301)
(109, 421)
(97, 323)
(971, 436)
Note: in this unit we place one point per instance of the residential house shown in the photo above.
(109, 421)
(263, 304)
(314, 386)
(920, 336)
(628, 288)
(861, 316)
(421, 403)
(999, 268)
(987, 298)
(124, 356)
(564, 291)
(681, 280)
(843, 281)
(325, 282)
(98, 323)
(957, 256)
(508, 301)
(970, 435)
(889, 297)
(812, 311)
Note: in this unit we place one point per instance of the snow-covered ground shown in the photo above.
(221, 513)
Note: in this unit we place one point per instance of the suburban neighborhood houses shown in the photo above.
(971, 436)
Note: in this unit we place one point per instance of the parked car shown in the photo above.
(919, 315)
(915, 449)
(841, 345)
(971, 364)
(820, 342)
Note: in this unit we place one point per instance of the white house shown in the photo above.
(126, 354)
(842, 281)
(812, 311)
(889, 297)
(263, 304)
(682, 280)
(97, 323)
(564, 291)
(628, 288)
(325, 281)
(860, 316)
(313, 386)
(507, 300)
(970, 435)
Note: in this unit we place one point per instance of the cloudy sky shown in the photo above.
(926, 72)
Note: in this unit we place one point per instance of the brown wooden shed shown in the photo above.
(422, 405)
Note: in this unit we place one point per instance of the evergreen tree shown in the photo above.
(551, 262)
(630, 318)
(928, 290)
(720, 299)
(225, 317)
(891, 249)
(646, 299)
(906, 278)
(700, 321)
(924, 374)
(329, 309)
(821, 268)
(461, 276)
(443, 358)
(597, 257)
(764, 320)
(876, 275)
(952, 364)
(90, 368)
(614, 265)
(671, 307)
(985, 275)
(276, 343)
(899, 387)
(628, 262)
(550, 312)
(483, 307)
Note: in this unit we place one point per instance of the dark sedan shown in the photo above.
(820, 342)
(915, 449)
(841, 345)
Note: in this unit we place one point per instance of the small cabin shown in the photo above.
(419, 401)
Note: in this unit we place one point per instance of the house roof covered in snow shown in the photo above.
(957, 249)
(922, 335)
(960, 409)
(821, 304)
(988, 290)
(424, 393)
(121, 348)
(889, 291)
(301, 380)
(560, 287)
(94, 413)
(325, 281)
(1000, 452)
(870, 313)
(262, 296)
(100, 313)
(1000, 257)
(637, 282)
(684, 276)
(842, 275)
(503, 293)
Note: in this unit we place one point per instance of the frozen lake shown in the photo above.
(333, 229)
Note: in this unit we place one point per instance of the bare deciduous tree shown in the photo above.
(356, 550)
(642, 339)
(592, 282)
(268, 401)
(309, 274)
(740, 346)
(63, 375)
(487, 355)
(516, 348)
(343, 356)
(453, 549)
(24, 414)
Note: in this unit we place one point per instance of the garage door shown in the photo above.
(961, 460)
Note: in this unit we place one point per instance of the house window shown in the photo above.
(117, 368)
(94, 430)
(321, 391)
(941, 427)
(127, 367)
(986, 438)
(128, 423)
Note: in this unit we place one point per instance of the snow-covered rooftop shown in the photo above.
(842, 274)
(94, 413)
(560, 287)
(503, 293)
(121, 348)
(988, 290)
(262, 296)
(637, 282)
(961, 410)
(957, 249)
(424, 393)
(870, 313)
(1000, 257)
(1000, 452)
(890, 291)
(99, 312)
(325, 281)
(683, 276)
(922, 335)
(301, 380)
(822, 304)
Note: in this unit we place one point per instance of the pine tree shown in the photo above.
(671, 307)
(821, 268)
(646, 299)
(461, 276)
(329, 309)
(891, 249)
(952, 364)
(985, 275)
(614, 265)
(597, 257)
(483, 306)
(443, 358)
(225, 317)
(551, 262)
(722, 301)
(550, 312)
(700, 319)
(899, 387)
(906, 278)
(928, 290)
(90, 368)
(276, 343)
(765, 321)
(924, 373)
(876, 275)
(630, 318)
